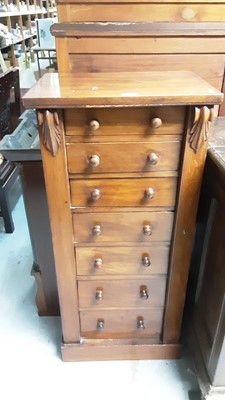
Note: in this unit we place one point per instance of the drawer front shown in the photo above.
(142, 11)
(122, 260)
(122, 293)
(123, 157)
(123, 227)
(122, 323)
(124, 192)
(125, 121)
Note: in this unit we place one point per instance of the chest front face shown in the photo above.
(123, 168)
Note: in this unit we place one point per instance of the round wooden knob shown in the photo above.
(149, 193)
(146, 262)
(94, 160)
(99, 294)
(144, 293)
(95, 194)
(94, 125)
(188, 13)
(147, 230)
(140, 323)
(98, 263)
(153, 158)
(156, 123)
(96, 230)
(100, 324)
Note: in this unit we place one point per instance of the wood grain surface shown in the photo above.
(117, 89)
(122, 323)
(123, 227)
(142, 11)
(122, 293)
(123, 192)
(122, 260)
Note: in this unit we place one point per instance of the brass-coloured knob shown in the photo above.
(98, 263)
(144, 293)
(100, 324)
(149, 193)
(147, 230)
(140, 323)
(146, 262)
(156, 123)
(153, 158)
(95, 194)
(99, 294)
(94, 125)
(94, 160)
(96, 230)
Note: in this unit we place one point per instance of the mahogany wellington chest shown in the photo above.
(123, 155)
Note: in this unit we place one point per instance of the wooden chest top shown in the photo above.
(120, 89)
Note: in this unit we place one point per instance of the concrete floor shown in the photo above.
(31, 365)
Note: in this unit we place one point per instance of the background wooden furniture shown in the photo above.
(143, 46)
(21, 147)
(36, 207)
(144, 10)
(206, 301)
(8, 175)
(19, 16)
(122, 208)
(9, 119)
(10, 101)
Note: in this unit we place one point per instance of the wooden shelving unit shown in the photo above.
(19, 16)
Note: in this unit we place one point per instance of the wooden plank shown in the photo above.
(187, 201)
(137, 29)
(143, 45)
(93, 350)
(146, 11)
(55, 173)
(144, 1)
(117, 89)
(62, 54)
(209, 67)
(120, 139)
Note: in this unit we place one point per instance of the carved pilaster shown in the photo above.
(201, 126)
(48, 120)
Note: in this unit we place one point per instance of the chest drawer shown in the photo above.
(123, 157)
(122, 293)
(121, 323)
(125, 121)
(122, 260)
(123, 192)
(123, 227)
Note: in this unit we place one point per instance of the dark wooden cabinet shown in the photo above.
(36, 207)
(206, 310)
